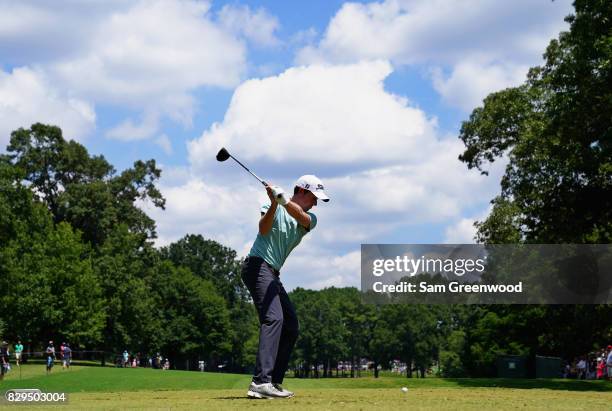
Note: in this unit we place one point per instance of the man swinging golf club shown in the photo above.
(280, 230)
(282, 225)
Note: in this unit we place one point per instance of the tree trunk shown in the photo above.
(375, 369)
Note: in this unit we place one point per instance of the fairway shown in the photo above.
(96, 388)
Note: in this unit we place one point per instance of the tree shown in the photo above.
(196, 321)
(211, 261)
(384, 343)
(215, 263)
(450, 359)
(54, 291)
(556, 131)
(133, 310)
(84, 190)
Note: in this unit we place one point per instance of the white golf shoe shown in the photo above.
(281, 389)
(267, 390)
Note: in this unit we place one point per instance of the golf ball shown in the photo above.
(404, 389)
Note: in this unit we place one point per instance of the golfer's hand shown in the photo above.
(279, 195)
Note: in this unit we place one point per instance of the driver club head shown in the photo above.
(223, 154)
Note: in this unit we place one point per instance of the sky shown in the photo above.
(369, 96)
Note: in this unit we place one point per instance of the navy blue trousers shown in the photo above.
(278, 321)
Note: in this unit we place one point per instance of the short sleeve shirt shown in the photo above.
(285, 235)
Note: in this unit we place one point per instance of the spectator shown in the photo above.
(50, 352)
(66, 356)
(126, 358)
(18, 351)
(609, 362)
(601, 367)
(4, 359)
(581, 368)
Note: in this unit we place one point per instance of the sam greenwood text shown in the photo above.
(453, 287)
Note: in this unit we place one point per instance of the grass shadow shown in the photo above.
(518, 383)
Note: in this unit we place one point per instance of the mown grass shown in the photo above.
(111, 388)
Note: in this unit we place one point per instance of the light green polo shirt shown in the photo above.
(285, 235)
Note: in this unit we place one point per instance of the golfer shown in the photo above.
(282, 225)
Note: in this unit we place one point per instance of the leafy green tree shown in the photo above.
(196, 321)
(357, 319)
(556, 132)
(82, 190)
(211, 261)
(132, 308)
(383, 344)
(450, 358)
(54, 291)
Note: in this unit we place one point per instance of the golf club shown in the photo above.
(223, 155)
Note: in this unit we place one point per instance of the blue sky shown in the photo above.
(369, 96)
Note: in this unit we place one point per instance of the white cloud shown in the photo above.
(471, 81)
(257, 27)
(26, 97)
(128, 131)
(314, 267)
(485, 45)
(37, 31)
(432, 188)
(420, 31)
(164, 142)
(152, 55)
(307, 36)
(336, 115)
(142, 55)
(463, 231)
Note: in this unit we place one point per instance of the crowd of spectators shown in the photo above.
(157, 361)
(596, 365)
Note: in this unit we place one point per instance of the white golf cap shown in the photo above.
(314, 185)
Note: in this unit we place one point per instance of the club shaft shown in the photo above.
(246, 168)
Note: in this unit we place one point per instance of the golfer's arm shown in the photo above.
(266, 221)
(300, 215)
